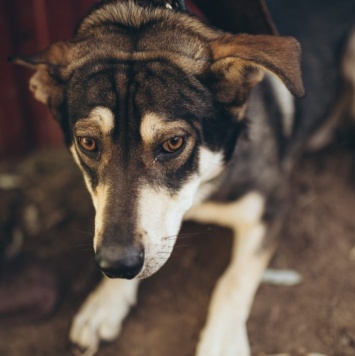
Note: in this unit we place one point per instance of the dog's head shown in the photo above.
(150, 102)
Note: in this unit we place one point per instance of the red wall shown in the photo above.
(27, 26)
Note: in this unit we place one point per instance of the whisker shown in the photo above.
(189, 234)
(168, 252)
(180, 236)
(166, 247)
(84, 232)
(168, 237)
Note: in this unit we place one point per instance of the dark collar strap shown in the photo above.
(178, 5)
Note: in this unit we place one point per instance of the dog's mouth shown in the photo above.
(155, 261)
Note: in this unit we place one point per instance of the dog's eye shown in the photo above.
(87, 143)
(173, 144)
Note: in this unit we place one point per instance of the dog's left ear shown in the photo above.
(239, 61)
(48, 81)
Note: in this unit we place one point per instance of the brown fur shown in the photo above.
(232, 61)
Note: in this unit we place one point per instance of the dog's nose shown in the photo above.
(120, 261)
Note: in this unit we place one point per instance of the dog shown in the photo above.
(171, 119)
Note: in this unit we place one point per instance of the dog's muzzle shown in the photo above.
(117, 261)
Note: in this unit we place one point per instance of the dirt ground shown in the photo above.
(318, 241)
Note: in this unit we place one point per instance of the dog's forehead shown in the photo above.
(123, 51)
(131, 89)
(138, 26)
(126, 32)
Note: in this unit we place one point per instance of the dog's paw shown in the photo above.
(100, 317)
(227, 340)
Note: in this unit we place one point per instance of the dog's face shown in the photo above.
(139, 139)
(150, 103)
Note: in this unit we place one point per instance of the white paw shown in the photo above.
(224, 340)
(102, 314)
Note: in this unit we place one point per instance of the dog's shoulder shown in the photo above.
(257, 163)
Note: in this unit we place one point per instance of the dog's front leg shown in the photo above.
(102, 314)
(225, 331)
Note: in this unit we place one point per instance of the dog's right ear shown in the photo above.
(239, 63)
(48, 81)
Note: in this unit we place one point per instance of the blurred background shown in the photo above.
(27, 27)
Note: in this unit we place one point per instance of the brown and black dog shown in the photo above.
(153, 104)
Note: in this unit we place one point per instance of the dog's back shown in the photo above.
(322, 28)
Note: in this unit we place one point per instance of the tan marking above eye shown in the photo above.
(173, 144)
(87, 143)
